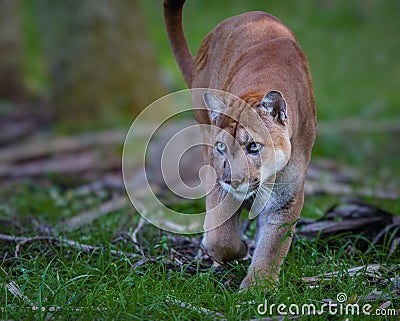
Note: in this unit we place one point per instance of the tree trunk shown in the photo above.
(102, 64)
(10, 49)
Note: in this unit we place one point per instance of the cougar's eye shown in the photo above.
(254, 148)
(220, 146)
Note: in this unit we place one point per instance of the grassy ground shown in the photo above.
(353, 50)
(69, 283)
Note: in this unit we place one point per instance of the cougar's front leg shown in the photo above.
(222, 239)
(273, 242)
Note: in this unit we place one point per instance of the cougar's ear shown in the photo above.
(274, 103)
(215, 105)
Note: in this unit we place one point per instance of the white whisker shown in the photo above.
(265, 193)
(216, 188)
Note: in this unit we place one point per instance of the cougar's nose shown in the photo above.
(234, 183)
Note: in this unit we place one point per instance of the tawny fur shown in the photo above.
(248, 56)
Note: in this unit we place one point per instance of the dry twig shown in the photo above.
(50, 146)
(86, 217)
(190, 306)
(60, 242)
(134, 238)
(370, 270)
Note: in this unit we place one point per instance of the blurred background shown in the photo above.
(352, 47)
(74, 74)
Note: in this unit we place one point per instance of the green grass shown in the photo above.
(100, 285)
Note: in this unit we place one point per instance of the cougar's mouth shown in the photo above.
(241, 192)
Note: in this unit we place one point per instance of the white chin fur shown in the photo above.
(241, 193)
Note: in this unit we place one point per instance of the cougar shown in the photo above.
(259, 145)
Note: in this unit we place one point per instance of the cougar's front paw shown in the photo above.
(247, 282)
(259, 277)
(221, 252)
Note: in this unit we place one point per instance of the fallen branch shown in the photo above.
(370, 270)
(13, 131)
(14, 289)
(385, 230)
(88, 161)
(334, 227)
(375, 295)
(394, 246)
(358, 221)
(44, 147)
(191, 307)
(86, 217)
(111, 181)
(60, 242)
(134, 238)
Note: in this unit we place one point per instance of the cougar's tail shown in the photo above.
(173, 23)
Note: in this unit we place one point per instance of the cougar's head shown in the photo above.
(250, 143)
